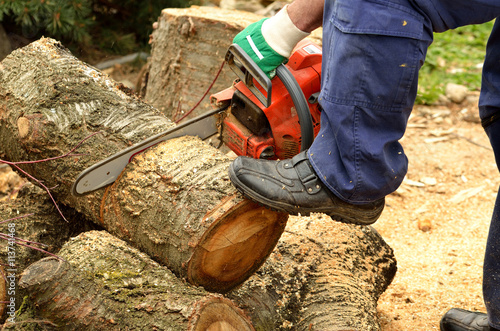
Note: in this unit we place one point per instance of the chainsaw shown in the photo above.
(256, 117)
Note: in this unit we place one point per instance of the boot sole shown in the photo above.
(369, 217)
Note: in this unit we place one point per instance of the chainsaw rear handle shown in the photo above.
(247, 70)
(300, 102)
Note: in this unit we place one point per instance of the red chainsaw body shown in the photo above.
(273, 132)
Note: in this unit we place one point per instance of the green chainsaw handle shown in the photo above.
(248, 71)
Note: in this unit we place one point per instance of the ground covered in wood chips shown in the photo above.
(436, 222)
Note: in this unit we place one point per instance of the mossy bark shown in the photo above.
(323, 275)
(106, 284)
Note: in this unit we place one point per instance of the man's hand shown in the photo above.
(270, 41)
(255, 45)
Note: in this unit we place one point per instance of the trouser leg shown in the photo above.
(372, 53)
(489, 107)
(491, 268)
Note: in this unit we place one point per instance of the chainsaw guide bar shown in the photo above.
(107, 171)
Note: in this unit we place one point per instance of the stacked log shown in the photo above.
(104, 284)
(323, 275)
(175, 201)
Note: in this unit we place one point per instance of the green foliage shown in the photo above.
(58, 18)
(115, 25)
(456, 57)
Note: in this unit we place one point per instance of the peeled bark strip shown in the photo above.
(188, 48)
(177, 205)
(323, 275)
(108, 285)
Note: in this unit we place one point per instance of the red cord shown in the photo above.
(204, 95)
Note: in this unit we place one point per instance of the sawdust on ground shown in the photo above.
(436, 222)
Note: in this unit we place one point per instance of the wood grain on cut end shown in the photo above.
(42, 271)
(3, 292)
(236, 246)
(220, 314)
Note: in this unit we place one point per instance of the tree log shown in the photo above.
(176, 203)
(323, 275)
(106, 284)
(188, 48)
(190, 217)
(50, 101)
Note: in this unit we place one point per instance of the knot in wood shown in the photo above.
(23, 126)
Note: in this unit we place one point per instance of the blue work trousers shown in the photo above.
(372, 53)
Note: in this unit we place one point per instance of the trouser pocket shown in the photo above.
(372, 53)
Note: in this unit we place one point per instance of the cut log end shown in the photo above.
(220, 314)
(41, 272)
(3, 291)
(236, 246)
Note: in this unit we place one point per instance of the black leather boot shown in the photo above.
(463, 320)
(293, 186)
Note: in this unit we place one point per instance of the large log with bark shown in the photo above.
(191, 217)
(187, 50)
(175, 202)
(323, 275)
(104, 284)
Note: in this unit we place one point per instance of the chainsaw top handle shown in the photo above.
(249, 73)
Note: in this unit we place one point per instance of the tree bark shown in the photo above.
(323, 275)
(50, 101)
(106, 284)
(176, 203)
(188, 49)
